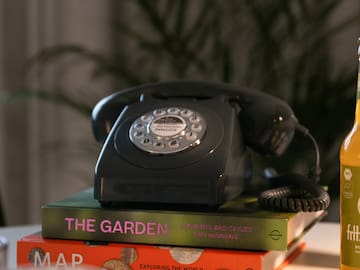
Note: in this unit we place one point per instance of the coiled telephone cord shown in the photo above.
(296, 192)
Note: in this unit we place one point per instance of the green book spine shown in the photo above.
(239, 224)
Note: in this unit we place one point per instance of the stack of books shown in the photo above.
(77, 231)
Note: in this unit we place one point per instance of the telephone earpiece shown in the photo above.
(105, 113)
(269, 124)
(165, 139)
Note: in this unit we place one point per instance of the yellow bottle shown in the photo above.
(350, 191)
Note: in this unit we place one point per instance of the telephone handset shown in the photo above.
(187, 142)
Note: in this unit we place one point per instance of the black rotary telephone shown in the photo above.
(187, 143)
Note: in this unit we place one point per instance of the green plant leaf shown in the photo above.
(45, 95)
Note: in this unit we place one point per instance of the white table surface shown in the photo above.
(321, 252)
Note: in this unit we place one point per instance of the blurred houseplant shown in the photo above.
(282, 47)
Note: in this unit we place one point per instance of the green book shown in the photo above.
(238, 224)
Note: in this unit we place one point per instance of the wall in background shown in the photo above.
(47, 152)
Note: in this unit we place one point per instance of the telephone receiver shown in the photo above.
(188, 142)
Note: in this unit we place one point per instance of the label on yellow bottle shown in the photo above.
(350, 215)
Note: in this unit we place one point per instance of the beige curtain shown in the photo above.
(38, 156)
